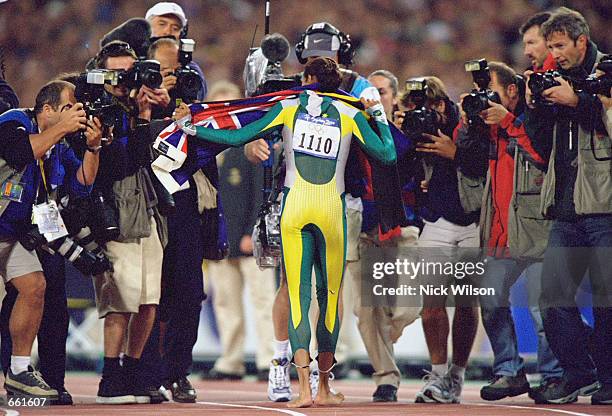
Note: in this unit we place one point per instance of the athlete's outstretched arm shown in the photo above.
(274, 118)
(381, 148)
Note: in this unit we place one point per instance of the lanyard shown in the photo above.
(41, 165)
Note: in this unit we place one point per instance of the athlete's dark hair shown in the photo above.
(327, 73)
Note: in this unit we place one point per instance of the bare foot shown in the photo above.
(301, 401)
(327, 398)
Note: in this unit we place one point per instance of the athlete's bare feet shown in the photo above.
(327, 398)
(304, 400)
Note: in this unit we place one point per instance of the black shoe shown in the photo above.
(28, 384)
(113, 390)
(538, 393)
(567, 391)
(182, 390)
(505, 386)
(220, 375)
(63, 398)
(603, 395)
(385, 393)
(155, 396)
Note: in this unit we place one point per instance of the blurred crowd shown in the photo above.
(42, 38)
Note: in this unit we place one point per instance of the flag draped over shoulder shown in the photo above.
(180, 157)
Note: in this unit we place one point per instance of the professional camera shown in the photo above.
(262, 71)
(598, 85)
(266, 235)
(478, 99)
(97, 102)
(83, 260)
(422, 119)
(91, 215)
(146, 72)
(540, 82)
(188, 81)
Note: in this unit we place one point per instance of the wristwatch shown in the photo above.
(95, 150)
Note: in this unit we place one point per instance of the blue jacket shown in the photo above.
(61, 167)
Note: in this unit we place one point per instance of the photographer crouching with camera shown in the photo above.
(577, 194)
(128, 296)
(38, 167)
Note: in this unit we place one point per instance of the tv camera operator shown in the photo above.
(565, 120)
(37, 168)
(454, 171)
(513, 233)
(127, 297)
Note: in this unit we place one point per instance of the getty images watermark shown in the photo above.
(404, 276)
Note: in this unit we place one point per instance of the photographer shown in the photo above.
(38, 168)
(182, 282)
(534, 44)
(127, 297)
(167, 19)
(577, 195)
(514, 235)
(451, 216)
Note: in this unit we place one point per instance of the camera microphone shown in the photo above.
(275, 47)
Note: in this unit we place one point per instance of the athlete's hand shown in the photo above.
(367, 103)
(257, 151)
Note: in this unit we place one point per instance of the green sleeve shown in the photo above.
(381, 148)
(252, 131)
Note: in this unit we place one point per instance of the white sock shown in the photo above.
(281, 349)
(439, 369)
(19, 364)
(457, 371)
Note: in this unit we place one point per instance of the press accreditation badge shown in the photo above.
(49, 221)
(316, 136)
(12, 190)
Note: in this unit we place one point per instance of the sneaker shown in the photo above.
(134, 382)
(113, 389)
(28, 383)
(567, 391)
(456, 387)
(385, 393)
(537, 392)
(603, 395)
(182, 390)
(165, 393)
(314, 380)
(63, 398)
(155, 395)
(279, 384)
(435, 390)
(505, 386)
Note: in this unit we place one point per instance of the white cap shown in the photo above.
(167, 7)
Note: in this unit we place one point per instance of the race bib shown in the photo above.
(316, 136)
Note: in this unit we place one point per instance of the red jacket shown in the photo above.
(549, 64)
(501, 170)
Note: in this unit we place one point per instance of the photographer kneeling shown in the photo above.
(36, 165)
(128, 296)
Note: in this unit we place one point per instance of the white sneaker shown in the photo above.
(314, 380)
(435, 390)
(279, 384)
(456, 387)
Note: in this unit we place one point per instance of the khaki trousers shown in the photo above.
(228, 278)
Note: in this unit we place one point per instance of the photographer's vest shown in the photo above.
(593, 187)
(6, 172)
(527, 229)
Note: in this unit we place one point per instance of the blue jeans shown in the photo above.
(501, 274)
(573, 248)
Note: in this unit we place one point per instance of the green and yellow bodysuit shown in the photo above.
(316, 132)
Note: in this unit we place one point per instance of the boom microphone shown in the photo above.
(275, 47)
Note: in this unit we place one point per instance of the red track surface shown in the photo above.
(249, 398)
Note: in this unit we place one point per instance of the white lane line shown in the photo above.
(8, 412)
(544, 409)
(270, 409)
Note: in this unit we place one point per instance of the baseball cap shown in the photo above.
(167, 7)
(321, 44)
